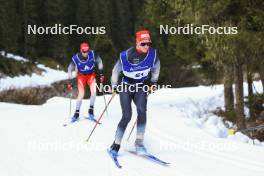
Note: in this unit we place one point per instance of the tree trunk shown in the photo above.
(239, 95)
(228, 91)
(250, 95)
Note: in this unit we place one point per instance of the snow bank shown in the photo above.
(46, 78)
(197, 104)
(13, 56)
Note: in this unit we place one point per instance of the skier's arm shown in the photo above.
(155, 71)
(71, 68)
(115, 73)
(99, 62)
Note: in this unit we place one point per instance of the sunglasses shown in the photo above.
(84, 52)
(145, 44)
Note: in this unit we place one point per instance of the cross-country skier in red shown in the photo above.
(84, 62)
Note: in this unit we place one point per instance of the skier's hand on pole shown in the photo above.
(114, 89)
(102, 78)
(153, 87)
(70, 81)
(70, 85)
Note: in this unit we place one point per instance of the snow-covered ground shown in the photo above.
(13, 56)
(180, 130)
(46, 78)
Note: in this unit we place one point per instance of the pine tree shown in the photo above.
(56, 14)
(9, 28)
(29, 16)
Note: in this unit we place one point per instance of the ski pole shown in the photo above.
(97, 122)
(104, 100)
(134, 124)
(70, 104)
(105, 104)
(70, 89)
(131, 130)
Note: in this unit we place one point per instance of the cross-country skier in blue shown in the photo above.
(136, 64)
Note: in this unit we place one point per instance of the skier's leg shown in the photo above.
(140, 100)
(80, 85)
(92, 84)
(125, 101)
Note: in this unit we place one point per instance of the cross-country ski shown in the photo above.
(150, 157)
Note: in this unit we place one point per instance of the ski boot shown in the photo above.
(114, 149)
(91, 113)
(140, 148)
(75, 116)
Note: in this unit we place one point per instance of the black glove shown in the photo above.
(102, 78)
(153, 87)
(70, 85)
(114, 88)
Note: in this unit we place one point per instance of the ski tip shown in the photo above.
(166, 165)
(116, 162)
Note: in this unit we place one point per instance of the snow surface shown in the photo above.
(13, 56)
(180, 130)
(47, 77)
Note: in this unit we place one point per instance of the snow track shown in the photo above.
(34, 142)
